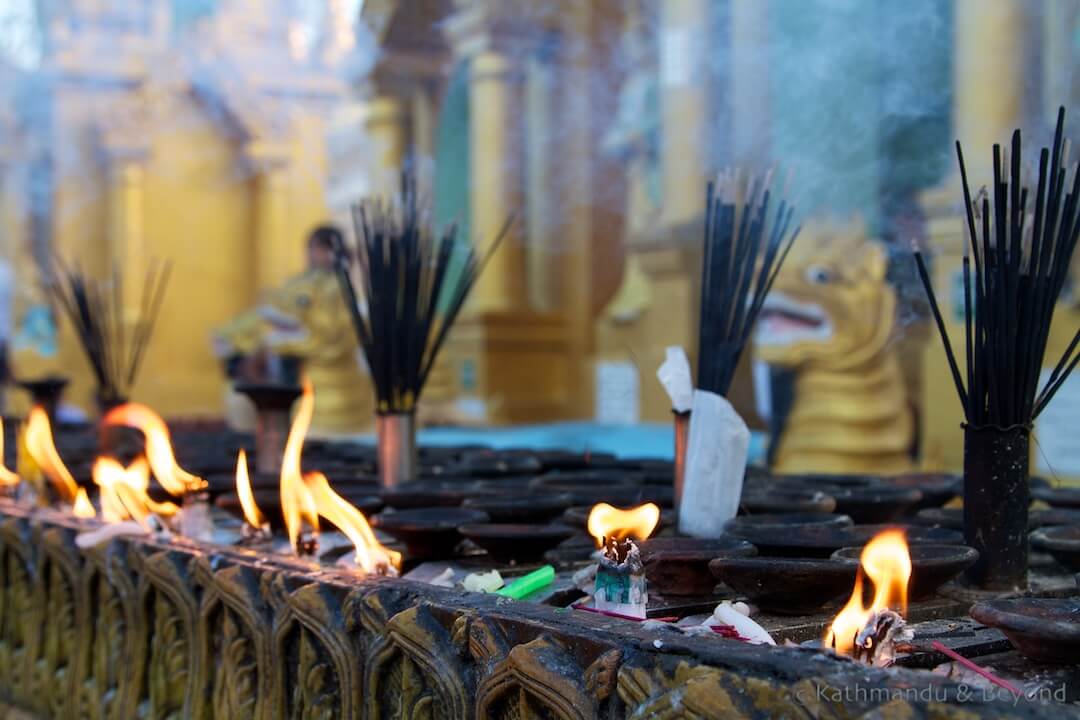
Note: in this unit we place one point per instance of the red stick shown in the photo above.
(975, 668)
(586, 608)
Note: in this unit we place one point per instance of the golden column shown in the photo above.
(277, 256)
(683, 89)
(494, 147)
(990, 73)
(126, 155)
(385, 121)
(988, 103)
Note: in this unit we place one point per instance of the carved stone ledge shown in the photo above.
(158, 630)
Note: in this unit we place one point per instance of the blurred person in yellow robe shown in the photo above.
(306, 318)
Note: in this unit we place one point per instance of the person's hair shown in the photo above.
(328, 237)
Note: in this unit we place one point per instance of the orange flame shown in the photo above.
(172, 477)
(83, 508)
(297, 504)
(39, 443)
(611, 522)
(124, 491)
(887, 563)
(252, 514)
(371, 556)
(7, 478)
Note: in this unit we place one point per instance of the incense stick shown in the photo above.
(404, 289)
(1010, 297)
(97, 313)
(743, 254)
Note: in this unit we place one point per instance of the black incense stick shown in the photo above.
(744, 250)
(97, 312)
(404, 289)
(1020, 267)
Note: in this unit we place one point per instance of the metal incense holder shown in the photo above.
(396, 439)
(272, 403)
(46, 392)
(682, 435)
(996, 500)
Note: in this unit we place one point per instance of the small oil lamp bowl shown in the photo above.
(620, 495)
(1052, 517)
(814, 541)
(764, 500)
(435, 493)
(1041, 629)
(489, 464)
(428, 533)
(786, 586)
(679, 566)
(776, 524)
(597, 479)
(951, 518)
(1063, 542)
(1059, 497)
(830, 482)
(936, 488)
(876, 504)
(516, 542)
(563, 461)
(931, 565)
(521, 508)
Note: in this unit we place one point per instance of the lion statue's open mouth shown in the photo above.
(784, 320)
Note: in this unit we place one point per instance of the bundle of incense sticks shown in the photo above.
(743, 254)
(1021, 260)
(113, 346)
(405, 289)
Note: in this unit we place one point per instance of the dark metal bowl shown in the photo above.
(521, 507)
(774, 525)
(784, 499)
(932, 565)
(786, 586)
(952, 518)
(936, 488)
(510, 542)
(813, 541)
(1042, 629)
(428, 533)
(1062, 541)
(878, 504)
(1059, 497)
(679, 566)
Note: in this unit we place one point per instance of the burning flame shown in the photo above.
(305, 497)
(7, 478)
(887, 564)
(252, 514)
(606, 521)
(172, 477)
(124, 491)
(297, 505)
(371, 556)
(39, 443)
(83, 508)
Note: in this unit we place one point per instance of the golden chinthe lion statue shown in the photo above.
(829, 320)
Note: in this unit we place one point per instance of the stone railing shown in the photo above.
(170, 630)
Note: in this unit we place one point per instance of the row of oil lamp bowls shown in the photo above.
(496, 500)
(523, 518)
